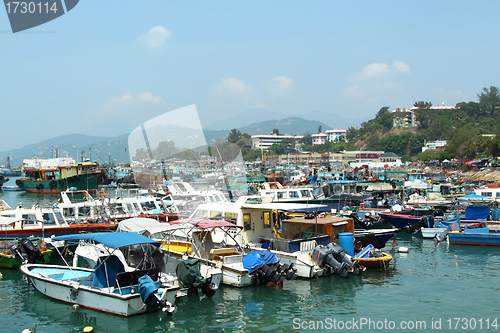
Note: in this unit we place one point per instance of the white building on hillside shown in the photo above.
(262, 141)
(336, 134)
(319, 139)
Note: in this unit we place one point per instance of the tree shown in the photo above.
(319, 129)
(275, 131)
(422, 105)
(234, 136)
(384, 117)
(307, 139)
(489, 99)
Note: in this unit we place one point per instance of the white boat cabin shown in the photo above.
(279, 193)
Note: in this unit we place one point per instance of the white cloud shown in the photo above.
(382, 70)
(232, 86)
(148, 97)
(401, 67)
(128, 98)
(155, 37)
(280, 85)
(376, 69)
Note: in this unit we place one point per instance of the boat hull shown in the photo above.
(62, 285)
(471, 238)
(380, 262)
(47, 231)
(88, 181)
(12, 262)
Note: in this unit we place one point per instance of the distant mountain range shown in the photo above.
(242, 120)
(116, 149)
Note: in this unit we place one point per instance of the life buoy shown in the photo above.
(19, 182)
(101, 195)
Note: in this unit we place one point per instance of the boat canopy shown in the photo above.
(4, 220)
(206, 224)
(148, 226)
(109, 239)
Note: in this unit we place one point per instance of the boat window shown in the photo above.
(231, 217)
(130, 208)
(68, 212)
(116, 209)
(267, 219)
(486, 194)
(84, 211)
(293, 194)
(281, 195)
(29, 219)
(305, 193)
(48, 218)
(137, 207)
(200, 213)
(498, 194)
(216, 214)
(247, 225)
(148, 205)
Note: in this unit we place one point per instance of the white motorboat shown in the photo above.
(107, 287)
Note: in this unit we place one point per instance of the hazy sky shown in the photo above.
(107, 66)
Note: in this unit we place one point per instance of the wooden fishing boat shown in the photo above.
(58, 174)
(106, 287)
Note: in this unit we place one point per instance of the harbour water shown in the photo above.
(433, 287)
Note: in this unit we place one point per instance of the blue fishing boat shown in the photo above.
(484, 235)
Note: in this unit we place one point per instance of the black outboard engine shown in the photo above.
(425, 222)
(358, 223)
(18, 252)
(275, 273)
(322, 256)
(341, 256)
(34, 255)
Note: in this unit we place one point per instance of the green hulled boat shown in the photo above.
(14, 253)
(59, 174)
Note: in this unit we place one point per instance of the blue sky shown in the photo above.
(107, 66)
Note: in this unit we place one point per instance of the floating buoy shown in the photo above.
(1, 276)
(75, 307)
(403, 249)
(88, 329)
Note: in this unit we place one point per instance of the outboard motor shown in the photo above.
(17, 250)
(147, 289)
(341, 256)
(34, 255)
(275, 273)
(425, 222)
(188, 274)
(322, 256)
(358, 223)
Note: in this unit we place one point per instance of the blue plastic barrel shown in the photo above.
(346, 241)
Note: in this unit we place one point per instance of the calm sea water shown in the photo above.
(433, 283)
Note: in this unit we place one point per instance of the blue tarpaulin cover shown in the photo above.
(256, 259)
(110, 239)
(105, 274)
(146, 287)
(474, 212)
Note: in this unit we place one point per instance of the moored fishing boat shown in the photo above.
(59, 174)
(14, 252)
(107, 287)
(45, 222)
